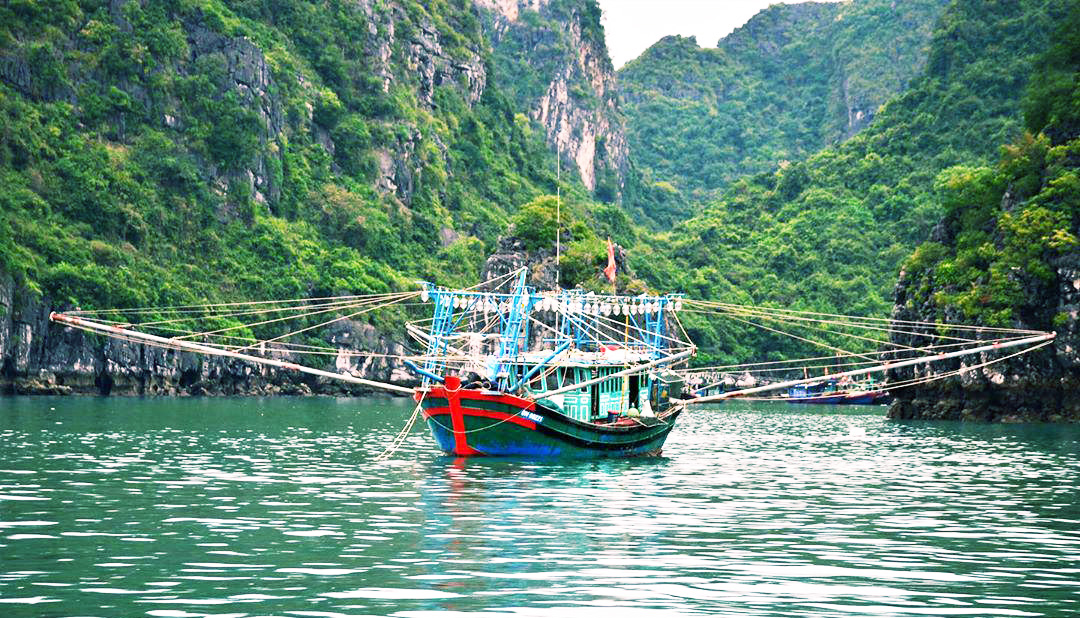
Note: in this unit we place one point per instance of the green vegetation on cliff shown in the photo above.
(528, 55)
(170, 151)
(1005, 227)
(829, 233)
(795, 78)
(173, 151)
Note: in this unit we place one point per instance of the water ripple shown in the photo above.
(246, 507)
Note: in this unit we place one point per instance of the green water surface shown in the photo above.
(244, 507)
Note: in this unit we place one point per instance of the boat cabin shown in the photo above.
(614, 395)
(813, 389)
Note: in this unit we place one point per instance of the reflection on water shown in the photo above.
(254, 507)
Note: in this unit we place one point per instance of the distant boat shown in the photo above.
(830, 391)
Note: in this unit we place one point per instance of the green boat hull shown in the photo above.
(482, 422)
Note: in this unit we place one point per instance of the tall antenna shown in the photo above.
(558, 207)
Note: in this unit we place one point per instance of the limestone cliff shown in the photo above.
(795, 78)
(863, 52)
(552, 55)
(401, 48)
(1007, 253)
(404, 47)
(240, 112)
(1043, 385)
(41, 357)
(1029, 273)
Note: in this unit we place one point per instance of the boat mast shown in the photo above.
(441, 327)
(510, 342)
(558, 219)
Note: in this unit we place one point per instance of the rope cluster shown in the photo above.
(857, 344)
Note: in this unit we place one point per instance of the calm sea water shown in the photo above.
(276, 507)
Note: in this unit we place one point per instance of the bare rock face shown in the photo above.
(39, 357)
(425, 57)
(1043, 385)
(16, 72)
(512, 255)
(353, 338)
(416, 55)
(577, 102)
(249, 77)
(1067, 343)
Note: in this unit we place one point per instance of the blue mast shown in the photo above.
(441, 327)
(520, 304)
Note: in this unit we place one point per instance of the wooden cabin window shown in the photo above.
(553, 380)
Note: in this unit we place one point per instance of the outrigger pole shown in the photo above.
(997, 345)
(114, 331)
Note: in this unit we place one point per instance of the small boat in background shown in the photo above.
(837, 392)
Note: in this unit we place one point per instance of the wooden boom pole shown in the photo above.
(116, 331)
(997, 345)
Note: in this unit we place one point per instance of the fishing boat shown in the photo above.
(563, 373)
(837, 392)
(504, 369)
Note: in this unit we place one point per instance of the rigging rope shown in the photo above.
(484, 324)
(797, 362)
(981, 329)
(204, 307)
(891, 386)
(399, 440)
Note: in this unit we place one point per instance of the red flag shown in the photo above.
(609, 272)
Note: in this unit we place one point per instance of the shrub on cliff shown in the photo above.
(1006, 225)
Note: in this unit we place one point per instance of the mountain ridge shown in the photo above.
(793, 79)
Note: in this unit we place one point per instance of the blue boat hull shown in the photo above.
(860, 398)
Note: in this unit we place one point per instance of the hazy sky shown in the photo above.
(631, 26)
